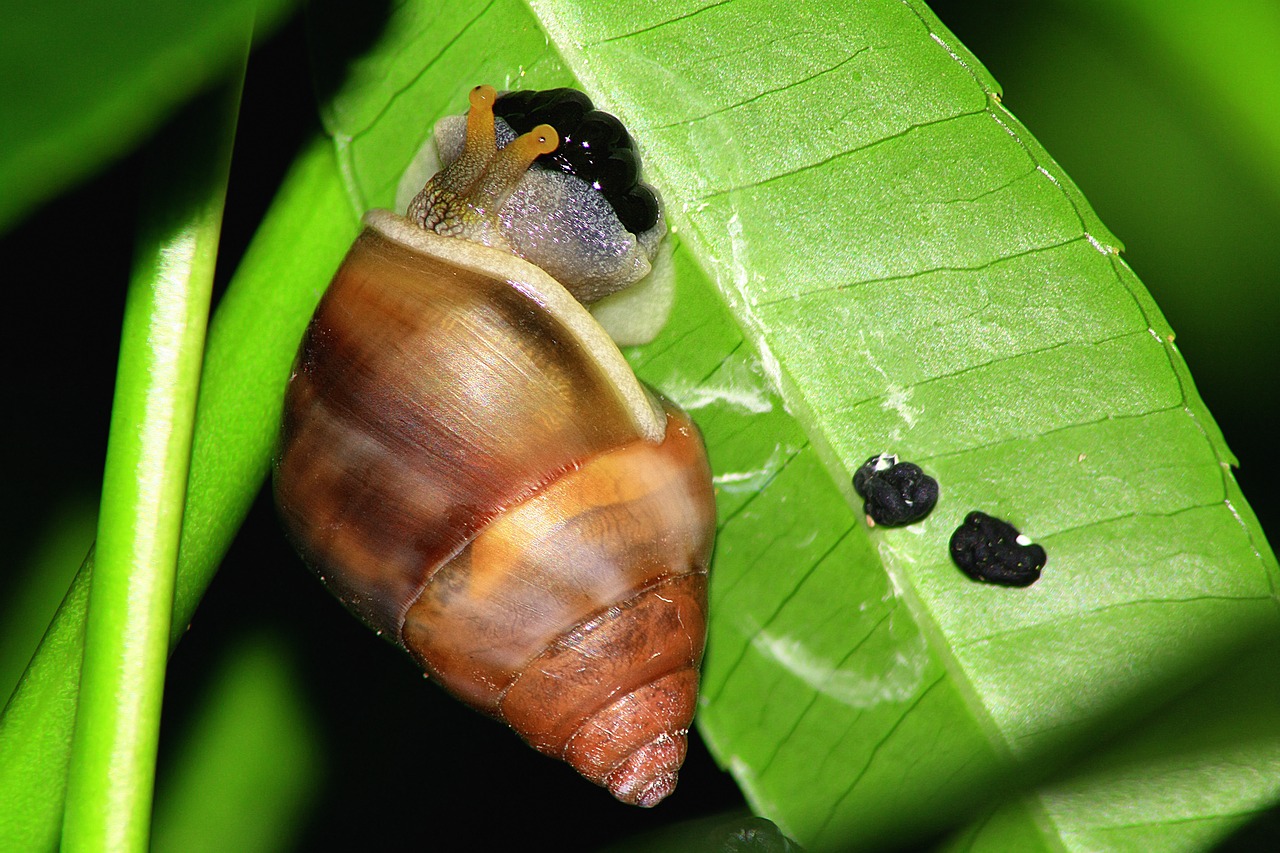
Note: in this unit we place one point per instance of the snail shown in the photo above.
(470, 465)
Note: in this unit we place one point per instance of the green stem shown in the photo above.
(111, 776)
(252, 341)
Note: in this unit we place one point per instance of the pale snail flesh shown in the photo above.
(469, 464)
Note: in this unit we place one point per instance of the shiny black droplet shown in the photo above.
(894, 493)
(594, 146)
(987, 549)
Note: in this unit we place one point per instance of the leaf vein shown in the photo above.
(906, 712)
(427, 66)
(780, 742)
(1043, 433)
(890, 279)
(661, 24)
(1119, 605)
(767, 92)
(764, 487)
(1001, 360)
(1173, 513)
(817, 164)
(750, 639)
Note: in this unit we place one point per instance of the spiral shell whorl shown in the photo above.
(587, 638)
(474, 479)
(647, 770)
(615, 697)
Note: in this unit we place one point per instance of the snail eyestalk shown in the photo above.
(508, 166)
(462, 199)
(478, 149)
(480, 134)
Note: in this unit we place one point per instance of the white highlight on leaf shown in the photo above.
(1006, 127)
(739, 384)
(852, 685)
(738, 266)
(1093, 241)
(896, 397)
(896, 400)
(948, 49)
(738, 482)
(747, 399)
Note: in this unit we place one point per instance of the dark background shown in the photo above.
(1147, 148)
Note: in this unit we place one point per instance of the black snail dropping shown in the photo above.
(991, 550)
(894, 493)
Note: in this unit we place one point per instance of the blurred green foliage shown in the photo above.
(84, 80)
(1166, 115)
(247, 766)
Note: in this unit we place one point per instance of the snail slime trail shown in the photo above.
(469, 464)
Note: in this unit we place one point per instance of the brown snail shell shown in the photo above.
(469, 464)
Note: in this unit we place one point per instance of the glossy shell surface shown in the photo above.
(474, 470)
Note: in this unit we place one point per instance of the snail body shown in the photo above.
(469, 464)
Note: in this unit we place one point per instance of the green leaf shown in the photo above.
(1171, 159)
(46, 572)
(875, 255)
(83, 80)
(870, 255)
